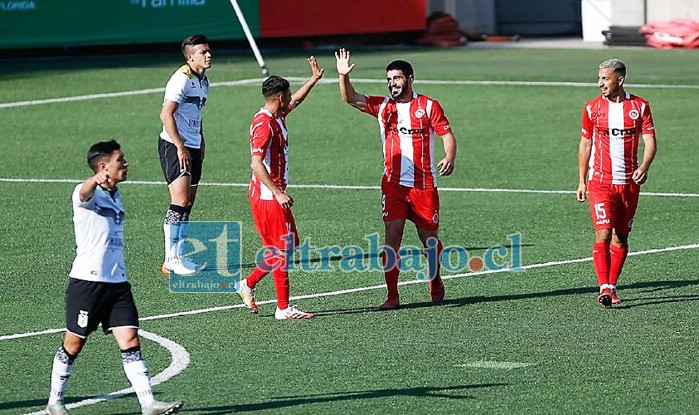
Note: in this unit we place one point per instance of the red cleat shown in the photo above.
(615, 298)
(436, 287)
(390, 304)
(605, 298)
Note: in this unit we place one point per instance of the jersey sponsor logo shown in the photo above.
(257, 150)
(82, 319)
(634, 114)
(419, 113)
(423, 131)
(621, 132)
(196, 124)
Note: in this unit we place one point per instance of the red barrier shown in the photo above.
(282, 18)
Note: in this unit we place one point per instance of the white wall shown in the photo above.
(662, 10)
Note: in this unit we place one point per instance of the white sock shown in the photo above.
(136, 371)
(181, 238)
(172, 233)
(60, 374)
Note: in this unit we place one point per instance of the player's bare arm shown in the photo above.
(446, 165)
(584, 152)
(167, 117)
(101, 178)
(347, 92)
(260, 171)
(649, 149)
(316, 75)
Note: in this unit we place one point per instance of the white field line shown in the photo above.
(370, 288)
(256, 81)
(345, 187)
(179, 360)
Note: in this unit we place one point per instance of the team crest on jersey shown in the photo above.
(82, 319)
(419, 113)
(633, 114)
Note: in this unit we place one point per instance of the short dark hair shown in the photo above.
(274, 85)
(100, 151)
(193, 41)
(403, 66)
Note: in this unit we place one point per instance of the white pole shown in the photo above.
(253, 45)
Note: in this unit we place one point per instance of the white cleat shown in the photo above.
(291, 313)
(181, 266)
(161, 408)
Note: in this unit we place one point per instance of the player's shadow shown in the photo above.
(30, 403)
(448, 392)
(629, 293)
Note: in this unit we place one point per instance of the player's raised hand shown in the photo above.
(317, 71)
(342, 57)
(102, 178)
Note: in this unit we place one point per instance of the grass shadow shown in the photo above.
(290, 401)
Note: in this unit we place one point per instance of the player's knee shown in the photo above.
(73, 344)
(603, 235)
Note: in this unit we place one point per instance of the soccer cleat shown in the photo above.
(57, 408)
(390, 304)
(247, 294)
(189, 264)
(291, 313)
(436, 287)
(181, 266)
(605, 298)
(615, 298)
(161, 408)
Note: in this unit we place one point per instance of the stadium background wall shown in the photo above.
(71, 23)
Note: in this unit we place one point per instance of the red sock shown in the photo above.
(281, 282)
(268, 263)
(601, 259)
(391, 275)
(436, 282)
(618, 257)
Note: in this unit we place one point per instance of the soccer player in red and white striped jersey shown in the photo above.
(271, 205)
(612, 126)
(407, 124)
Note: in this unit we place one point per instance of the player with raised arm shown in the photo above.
(271, 205)
(407, 124)
(98, 291)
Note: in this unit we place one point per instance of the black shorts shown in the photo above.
(170, 163)
(90, 303)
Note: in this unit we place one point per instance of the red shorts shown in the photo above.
(421, 206)
(275, 224)
(613, 205)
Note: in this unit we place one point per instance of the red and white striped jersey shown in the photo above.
(269, 139)
(407, 135)
(615, 129)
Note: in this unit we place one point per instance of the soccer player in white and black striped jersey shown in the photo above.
(98, 291)
(181, 148)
